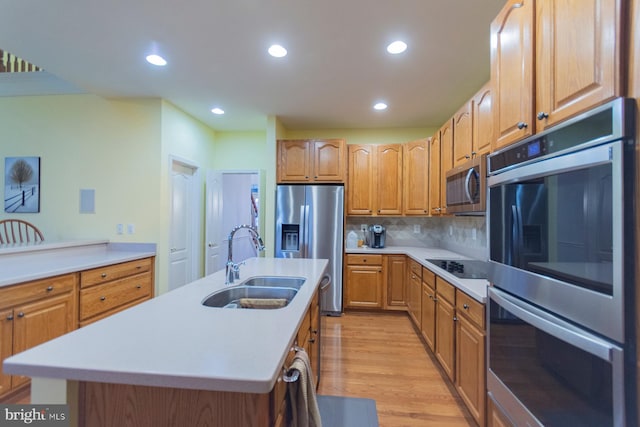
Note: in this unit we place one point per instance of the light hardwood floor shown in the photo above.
(380, 356)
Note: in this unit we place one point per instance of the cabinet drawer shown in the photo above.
(113, 272)
(415, 268)
(364, 259)
(99, 299)
(445, 290)
(471, 308)
(31, 291)
(429, 277)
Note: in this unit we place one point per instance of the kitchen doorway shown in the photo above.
(233, 198)
(184, 223)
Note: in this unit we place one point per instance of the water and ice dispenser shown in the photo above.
(290, 237)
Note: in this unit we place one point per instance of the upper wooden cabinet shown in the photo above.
(311, 160)
(434, 175)
(375, 180)
(463, 134)
(577, 47)
(440, 161)
(416, 177)
(482, 121)
(512, 71)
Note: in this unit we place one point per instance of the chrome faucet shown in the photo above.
(233, 269)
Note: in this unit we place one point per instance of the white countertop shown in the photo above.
(22, 263)
(175, 341)
(475, 288)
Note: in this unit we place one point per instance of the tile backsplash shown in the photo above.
(455, 233)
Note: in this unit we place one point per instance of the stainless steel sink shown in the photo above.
(251, 296)
(277, 281)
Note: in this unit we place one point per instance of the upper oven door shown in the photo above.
(466, 187)
(556, 235)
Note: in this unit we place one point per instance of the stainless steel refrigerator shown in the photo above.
(310, 224)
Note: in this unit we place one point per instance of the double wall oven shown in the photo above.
(561, 218)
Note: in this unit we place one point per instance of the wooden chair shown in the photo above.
(18, 231)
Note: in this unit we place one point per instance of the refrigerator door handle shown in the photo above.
(304, 219)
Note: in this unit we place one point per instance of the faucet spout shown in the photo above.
(232, 268)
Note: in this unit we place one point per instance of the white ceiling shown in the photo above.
(337, 66)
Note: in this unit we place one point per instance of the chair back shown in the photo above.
(18, 231)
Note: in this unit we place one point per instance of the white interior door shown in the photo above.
(233, 198)
(182, 263)
(213, 227)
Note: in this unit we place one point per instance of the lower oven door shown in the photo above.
(543, 371)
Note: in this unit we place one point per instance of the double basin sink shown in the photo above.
(260, 292)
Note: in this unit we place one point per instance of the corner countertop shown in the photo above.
(475, 288)
(175, 341)
(23, 263)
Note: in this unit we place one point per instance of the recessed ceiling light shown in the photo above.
(277, 51)
(217, 111)
(156, 60)
(380, 106)
(396, 47)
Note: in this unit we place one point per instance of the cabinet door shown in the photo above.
(364, 286)
(435, 177)
(361, 180)
(395, 282)
(6, 346)
(428, 315)
(512, 72)
(578, 50)
(416, 177)
(470, 367)
(41, 321)
(446, 161)
(462, 134)
(482, 121)
(388, 177)
(329, 160)
(445, 337)
(294, 161)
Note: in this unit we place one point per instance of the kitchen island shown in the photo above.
(171, 358)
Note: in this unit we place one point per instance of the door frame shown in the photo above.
(197, 208)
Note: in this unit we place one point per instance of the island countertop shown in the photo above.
(175, 341)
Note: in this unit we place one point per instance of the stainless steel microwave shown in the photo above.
(467, 187)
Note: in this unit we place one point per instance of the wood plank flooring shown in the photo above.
(380, 356)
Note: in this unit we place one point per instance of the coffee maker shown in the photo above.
(376, 236)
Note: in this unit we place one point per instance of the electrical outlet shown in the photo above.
(119, 228)
(363, 227)
(416, 228)
(131, 228)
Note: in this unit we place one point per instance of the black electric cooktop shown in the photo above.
(463, 268)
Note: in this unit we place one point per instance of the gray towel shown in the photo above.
(302, 394)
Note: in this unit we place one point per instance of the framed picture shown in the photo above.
(22, 184)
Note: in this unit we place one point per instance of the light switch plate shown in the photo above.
(120, 228)
(416, 228)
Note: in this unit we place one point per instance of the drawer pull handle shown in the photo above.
(103, 275)
(315, 331)
(312, 340)
(455, 319)
(49, 288)
(10, 317)
(21, 314)
(138, 286)
(466, 306)
(103, 298)
(139, 267)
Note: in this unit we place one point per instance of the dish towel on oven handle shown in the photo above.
(302, 393)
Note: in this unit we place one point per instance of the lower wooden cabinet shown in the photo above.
(363, 281)
(395, 266)
(106, 290)
(414, 291)
(445, 328)
(428, 327)
(33, 313)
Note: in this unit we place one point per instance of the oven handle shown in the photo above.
(555, 326)
(516, 235)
